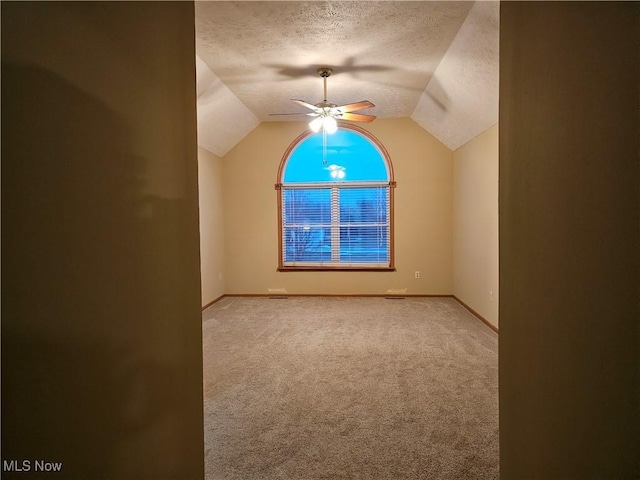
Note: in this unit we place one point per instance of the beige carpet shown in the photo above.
(349, 388)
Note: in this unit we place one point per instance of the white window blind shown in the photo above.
(337, 224)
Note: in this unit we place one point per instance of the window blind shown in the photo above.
(341, 224)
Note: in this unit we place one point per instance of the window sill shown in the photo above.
(335, 269)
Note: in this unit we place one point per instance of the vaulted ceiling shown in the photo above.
(436, 62)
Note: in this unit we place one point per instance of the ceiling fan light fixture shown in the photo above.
(330, 125)
(326, 122)
(316, 124)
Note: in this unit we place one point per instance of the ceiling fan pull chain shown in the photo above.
(324, 145)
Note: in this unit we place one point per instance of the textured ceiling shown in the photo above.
(461, 99)
(419, 59)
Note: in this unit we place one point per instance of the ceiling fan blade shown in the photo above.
(352, 107)
(307, 105)
(358, 117)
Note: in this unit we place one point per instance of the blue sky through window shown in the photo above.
(349, 157)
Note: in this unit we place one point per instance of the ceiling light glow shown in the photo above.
(324, 122)
(316, 123)
(330, 125)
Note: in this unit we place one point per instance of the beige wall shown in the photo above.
(101, 312)
(211, 226)
(423, 213)
(569, 240)
(475, 224)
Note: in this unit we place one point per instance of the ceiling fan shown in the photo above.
(328, 113)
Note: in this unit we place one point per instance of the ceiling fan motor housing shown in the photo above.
(325, 104)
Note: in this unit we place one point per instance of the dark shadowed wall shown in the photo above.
(101, 326)
(569, 240)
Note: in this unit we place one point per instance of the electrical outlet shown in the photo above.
(417, 274)
(491, 296)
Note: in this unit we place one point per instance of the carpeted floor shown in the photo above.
(349, 388)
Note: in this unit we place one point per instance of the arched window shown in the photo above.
(335, 203)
